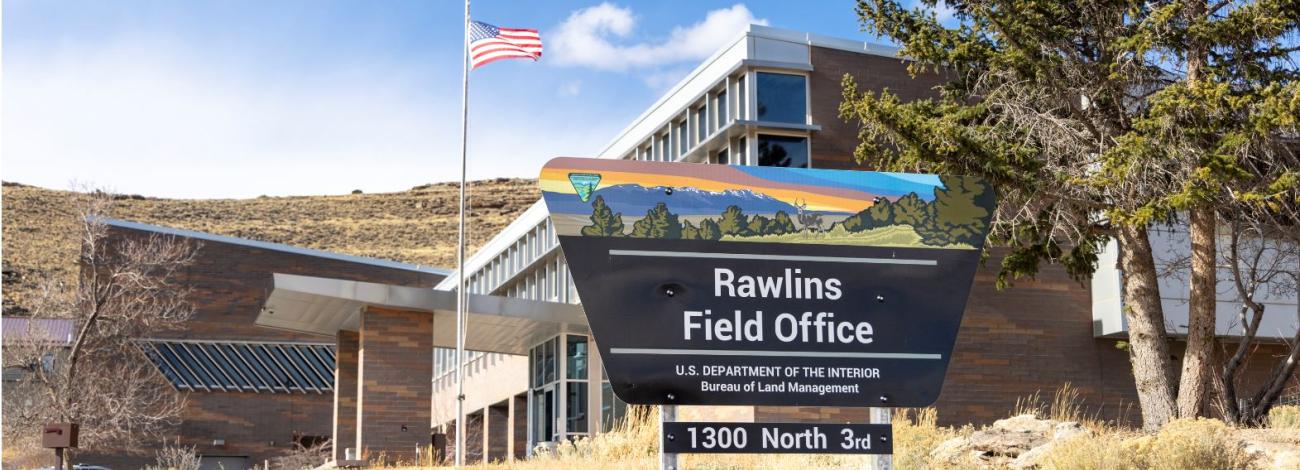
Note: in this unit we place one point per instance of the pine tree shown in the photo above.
(709, 230)
(759, 225)
(781, 224)
(657, 223)
(958, 214)
(911, 210)
(734, 222)
(604, 222)
(1095, 121)
(690, 231)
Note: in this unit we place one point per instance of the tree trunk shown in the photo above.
(1194, 386)
(1148, 348)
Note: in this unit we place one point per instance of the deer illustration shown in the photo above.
(809, 220)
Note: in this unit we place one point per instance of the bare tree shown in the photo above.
(1264, 260)
(101, 378)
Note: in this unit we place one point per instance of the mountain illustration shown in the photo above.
(634, 200)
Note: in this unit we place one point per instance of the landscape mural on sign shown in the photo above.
(604, 198)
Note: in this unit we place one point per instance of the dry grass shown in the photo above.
(1284, 417)
(1188, 444)
(416, 226)
(917, 434)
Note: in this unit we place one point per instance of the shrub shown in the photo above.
(1197, 443)
(1284, 417)
(1091, 452)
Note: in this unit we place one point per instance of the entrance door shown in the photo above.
(543, 415)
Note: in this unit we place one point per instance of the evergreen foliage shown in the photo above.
(604, 222)
(781, 223)
(657, 223)
(1095, 121)
(690, 231)
(734, 222)
(709, 230)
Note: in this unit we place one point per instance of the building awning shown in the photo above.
(324, 306)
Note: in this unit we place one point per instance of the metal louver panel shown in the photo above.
(237, 366)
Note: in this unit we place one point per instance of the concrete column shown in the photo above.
(345, 393)
(394, 383)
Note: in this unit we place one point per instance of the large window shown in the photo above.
(722, 106)
(782, 151)
(683, 140)
(576, 385)
(559, 369)
(782, 98)
(612, 410)
(701, 125)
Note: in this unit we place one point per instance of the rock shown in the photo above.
(1025, 423)
(1068, 429)
(952, 451)
(1030, 458)
(996, 441)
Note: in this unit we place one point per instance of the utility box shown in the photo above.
(59, 436)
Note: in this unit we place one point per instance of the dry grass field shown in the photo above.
(413, 226)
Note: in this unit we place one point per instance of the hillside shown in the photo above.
(414, 226)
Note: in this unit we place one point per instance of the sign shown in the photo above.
(737, 285)
(777, 438)
(59, 435)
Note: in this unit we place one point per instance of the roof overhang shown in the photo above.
(324, 306)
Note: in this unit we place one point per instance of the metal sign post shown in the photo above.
(667, 460)
(732, 285)
(883, 416)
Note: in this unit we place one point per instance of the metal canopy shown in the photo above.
(325, 306)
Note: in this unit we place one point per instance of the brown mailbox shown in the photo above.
(59, 435)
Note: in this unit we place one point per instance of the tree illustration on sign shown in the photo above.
(657, 223)
(604, 222)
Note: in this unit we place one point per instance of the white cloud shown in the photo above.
(143, 118)
(584, 39)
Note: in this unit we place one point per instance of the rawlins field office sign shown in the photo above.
(737, 285)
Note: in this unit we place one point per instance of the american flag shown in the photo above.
(489, 43)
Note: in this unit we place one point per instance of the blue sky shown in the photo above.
(247, 98)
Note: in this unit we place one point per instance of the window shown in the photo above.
(576, 407)
(740, 149)
(722, 108)
(782, 151)
(701, 125)
(244, 367)
(575, 385)
(612, 410)
(577, 357)
(782, 98)
(740, 98)
(683, 140)
(722, 157)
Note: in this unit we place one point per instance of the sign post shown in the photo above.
(733, 285)
(668, 459)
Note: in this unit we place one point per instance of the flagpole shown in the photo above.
(461, 296)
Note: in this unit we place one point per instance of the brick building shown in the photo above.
(253, 393)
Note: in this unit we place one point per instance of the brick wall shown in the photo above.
(395, 382)
(832, 147)
(345, 393)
